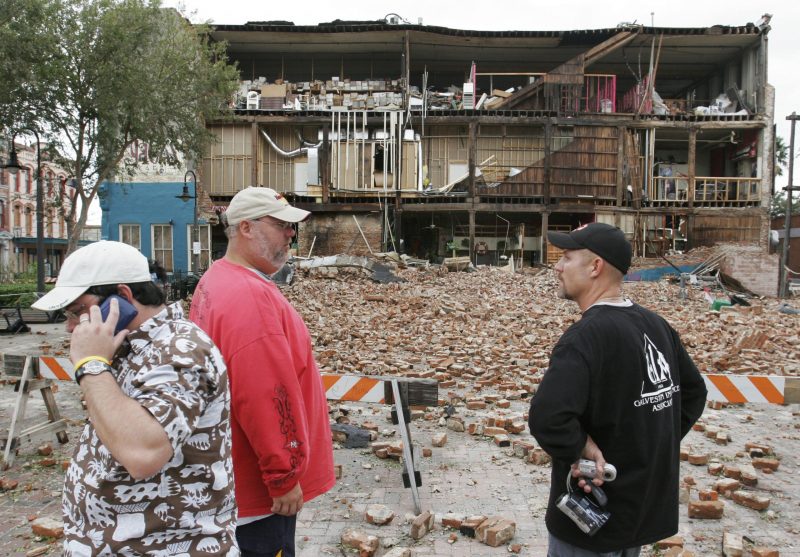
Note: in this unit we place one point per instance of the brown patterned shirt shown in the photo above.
(174, 371)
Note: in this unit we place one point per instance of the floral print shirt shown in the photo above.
(170, 367)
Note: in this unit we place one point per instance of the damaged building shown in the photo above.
(440, 142)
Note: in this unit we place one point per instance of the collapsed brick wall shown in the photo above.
(337, 233)
(752, 266)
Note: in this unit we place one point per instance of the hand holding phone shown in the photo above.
(126, 311)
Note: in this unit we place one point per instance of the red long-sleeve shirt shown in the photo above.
(279, 415)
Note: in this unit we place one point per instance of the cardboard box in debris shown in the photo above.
(367, 94)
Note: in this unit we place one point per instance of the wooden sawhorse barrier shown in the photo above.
(38, 373)
(402, 393)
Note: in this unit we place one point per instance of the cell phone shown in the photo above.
(126, 311)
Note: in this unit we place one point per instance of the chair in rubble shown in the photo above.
(15, 323)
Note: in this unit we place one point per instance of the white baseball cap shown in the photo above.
(93, 265)
(253, 203)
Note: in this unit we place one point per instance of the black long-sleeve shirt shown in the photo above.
(622, 376)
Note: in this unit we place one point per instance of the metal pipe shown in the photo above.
(290, 154)
(787, 228)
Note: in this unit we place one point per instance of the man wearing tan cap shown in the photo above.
(282, 449)
(152, 472)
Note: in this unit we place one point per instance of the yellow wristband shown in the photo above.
(82, 361)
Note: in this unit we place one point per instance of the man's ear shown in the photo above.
(598, 264)
(124, 291)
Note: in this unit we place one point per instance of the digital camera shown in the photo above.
(585, 513)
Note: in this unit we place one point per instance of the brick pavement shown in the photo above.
(468, 475)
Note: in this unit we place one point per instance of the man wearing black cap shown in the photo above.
(620, 389)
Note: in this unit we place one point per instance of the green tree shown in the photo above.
(777, 205)
(116, 72)
(781, 155)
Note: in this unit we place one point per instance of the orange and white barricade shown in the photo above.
(403, 392)
(772, 389)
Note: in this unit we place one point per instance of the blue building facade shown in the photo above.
(150, 217)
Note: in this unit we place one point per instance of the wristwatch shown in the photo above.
(92, 367)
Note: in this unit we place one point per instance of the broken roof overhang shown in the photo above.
(567, 35)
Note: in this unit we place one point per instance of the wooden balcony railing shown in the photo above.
(707, 191)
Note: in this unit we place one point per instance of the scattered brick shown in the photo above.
(337, 470)
(516, 427)
(715, 468)
(502, 440)
(470, 524)
(451, 520)
(421, 525)
(427, 452)
(730, 471)
(455, 425)
(539, 457)
(8, 485)
(765, 464)
(515, 548)
(476, 405)
(751, 500)
(496, 531)
(475, 429)
(398, 552)
(492, 431)
(765, 449)
(749, 477)
(364, 543)
(503, 403)
(379, 514)
(439, 439)
(673, 541)
(698, 459)
(706, 509)
(45, 450)
(708, 495)
(760, 551)
(48, 527)
(727, 487)
(732, 545)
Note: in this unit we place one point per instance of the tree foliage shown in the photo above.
(111, 73)
(777, 205)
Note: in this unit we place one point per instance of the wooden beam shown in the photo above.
(255, 143)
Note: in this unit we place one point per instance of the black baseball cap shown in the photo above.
(609, 242)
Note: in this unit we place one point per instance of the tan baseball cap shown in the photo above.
(253, 203)
(98, 263)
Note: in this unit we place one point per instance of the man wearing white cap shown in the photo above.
(282, 450)
(152, 471)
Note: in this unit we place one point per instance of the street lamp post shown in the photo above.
(195, 236)
(13, 167)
